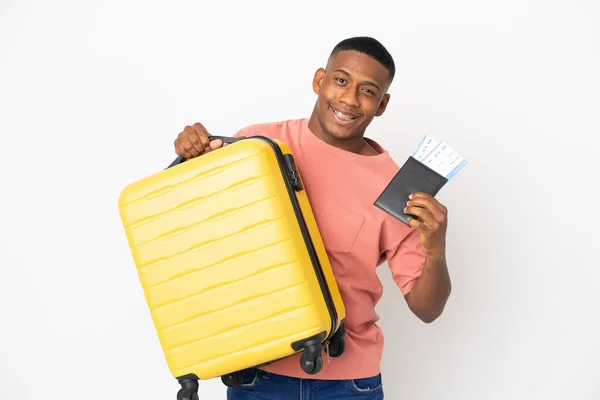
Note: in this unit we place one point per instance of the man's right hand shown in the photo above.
(194, 141)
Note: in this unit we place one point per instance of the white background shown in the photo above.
(92, 95)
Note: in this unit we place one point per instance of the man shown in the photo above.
(344, 172)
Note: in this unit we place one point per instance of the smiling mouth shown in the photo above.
(341, 116)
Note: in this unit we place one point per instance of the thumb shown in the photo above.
(215, 144)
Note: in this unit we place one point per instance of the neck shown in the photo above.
(356, 145)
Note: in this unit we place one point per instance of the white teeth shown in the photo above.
(343, 116)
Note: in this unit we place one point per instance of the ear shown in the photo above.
(318, 80)
(383, 105)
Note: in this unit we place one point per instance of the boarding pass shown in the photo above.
(439, 156)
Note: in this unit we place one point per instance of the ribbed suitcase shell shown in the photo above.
(223, 262)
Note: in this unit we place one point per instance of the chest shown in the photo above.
(343, 206)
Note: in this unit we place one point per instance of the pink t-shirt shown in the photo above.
(359, 237)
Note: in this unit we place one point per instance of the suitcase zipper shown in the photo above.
(292, 183)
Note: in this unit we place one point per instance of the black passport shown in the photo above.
(412, 177)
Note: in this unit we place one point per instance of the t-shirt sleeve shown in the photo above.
(239, 133)
(247, 131)
(406, 260)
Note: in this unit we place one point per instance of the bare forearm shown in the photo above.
(431, 291)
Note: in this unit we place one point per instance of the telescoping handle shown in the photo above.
(225, 139)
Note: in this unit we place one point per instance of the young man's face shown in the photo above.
(352, 91)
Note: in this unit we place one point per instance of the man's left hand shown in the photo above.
(431, 224)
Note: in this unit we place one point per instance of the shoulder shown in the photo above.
(386, 166)
(275, 130)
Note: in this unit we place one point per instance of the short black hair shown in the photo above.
(371, 47)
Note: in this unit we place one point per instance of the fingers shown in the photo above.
(428, 210)
(415, 224)
(180, 150)
(190, 144)
(425, 218)
(430, 203)
(193, 141)
(200, 137)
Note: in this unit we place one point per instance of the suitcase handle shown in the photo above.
(225, 139)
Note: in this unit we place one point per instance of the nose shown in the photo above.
(349, 97)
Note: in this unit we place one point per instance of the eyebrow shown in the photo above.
(367, 82)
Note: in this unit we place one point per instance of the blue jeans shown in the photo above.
(262, 385)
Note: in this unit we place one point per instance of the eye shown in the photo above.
(340, 80)
(369, 92)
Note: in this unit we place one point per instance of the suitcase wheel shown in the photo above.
(311, 359)
(337, 344)
(234, 379)
(337, 348)
(187, 395)
(189, 388)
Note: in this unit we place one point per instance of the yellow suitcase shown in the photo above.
(232, 265)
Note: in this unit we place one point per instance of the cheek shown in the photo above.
(328, 92)
(370, 106)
